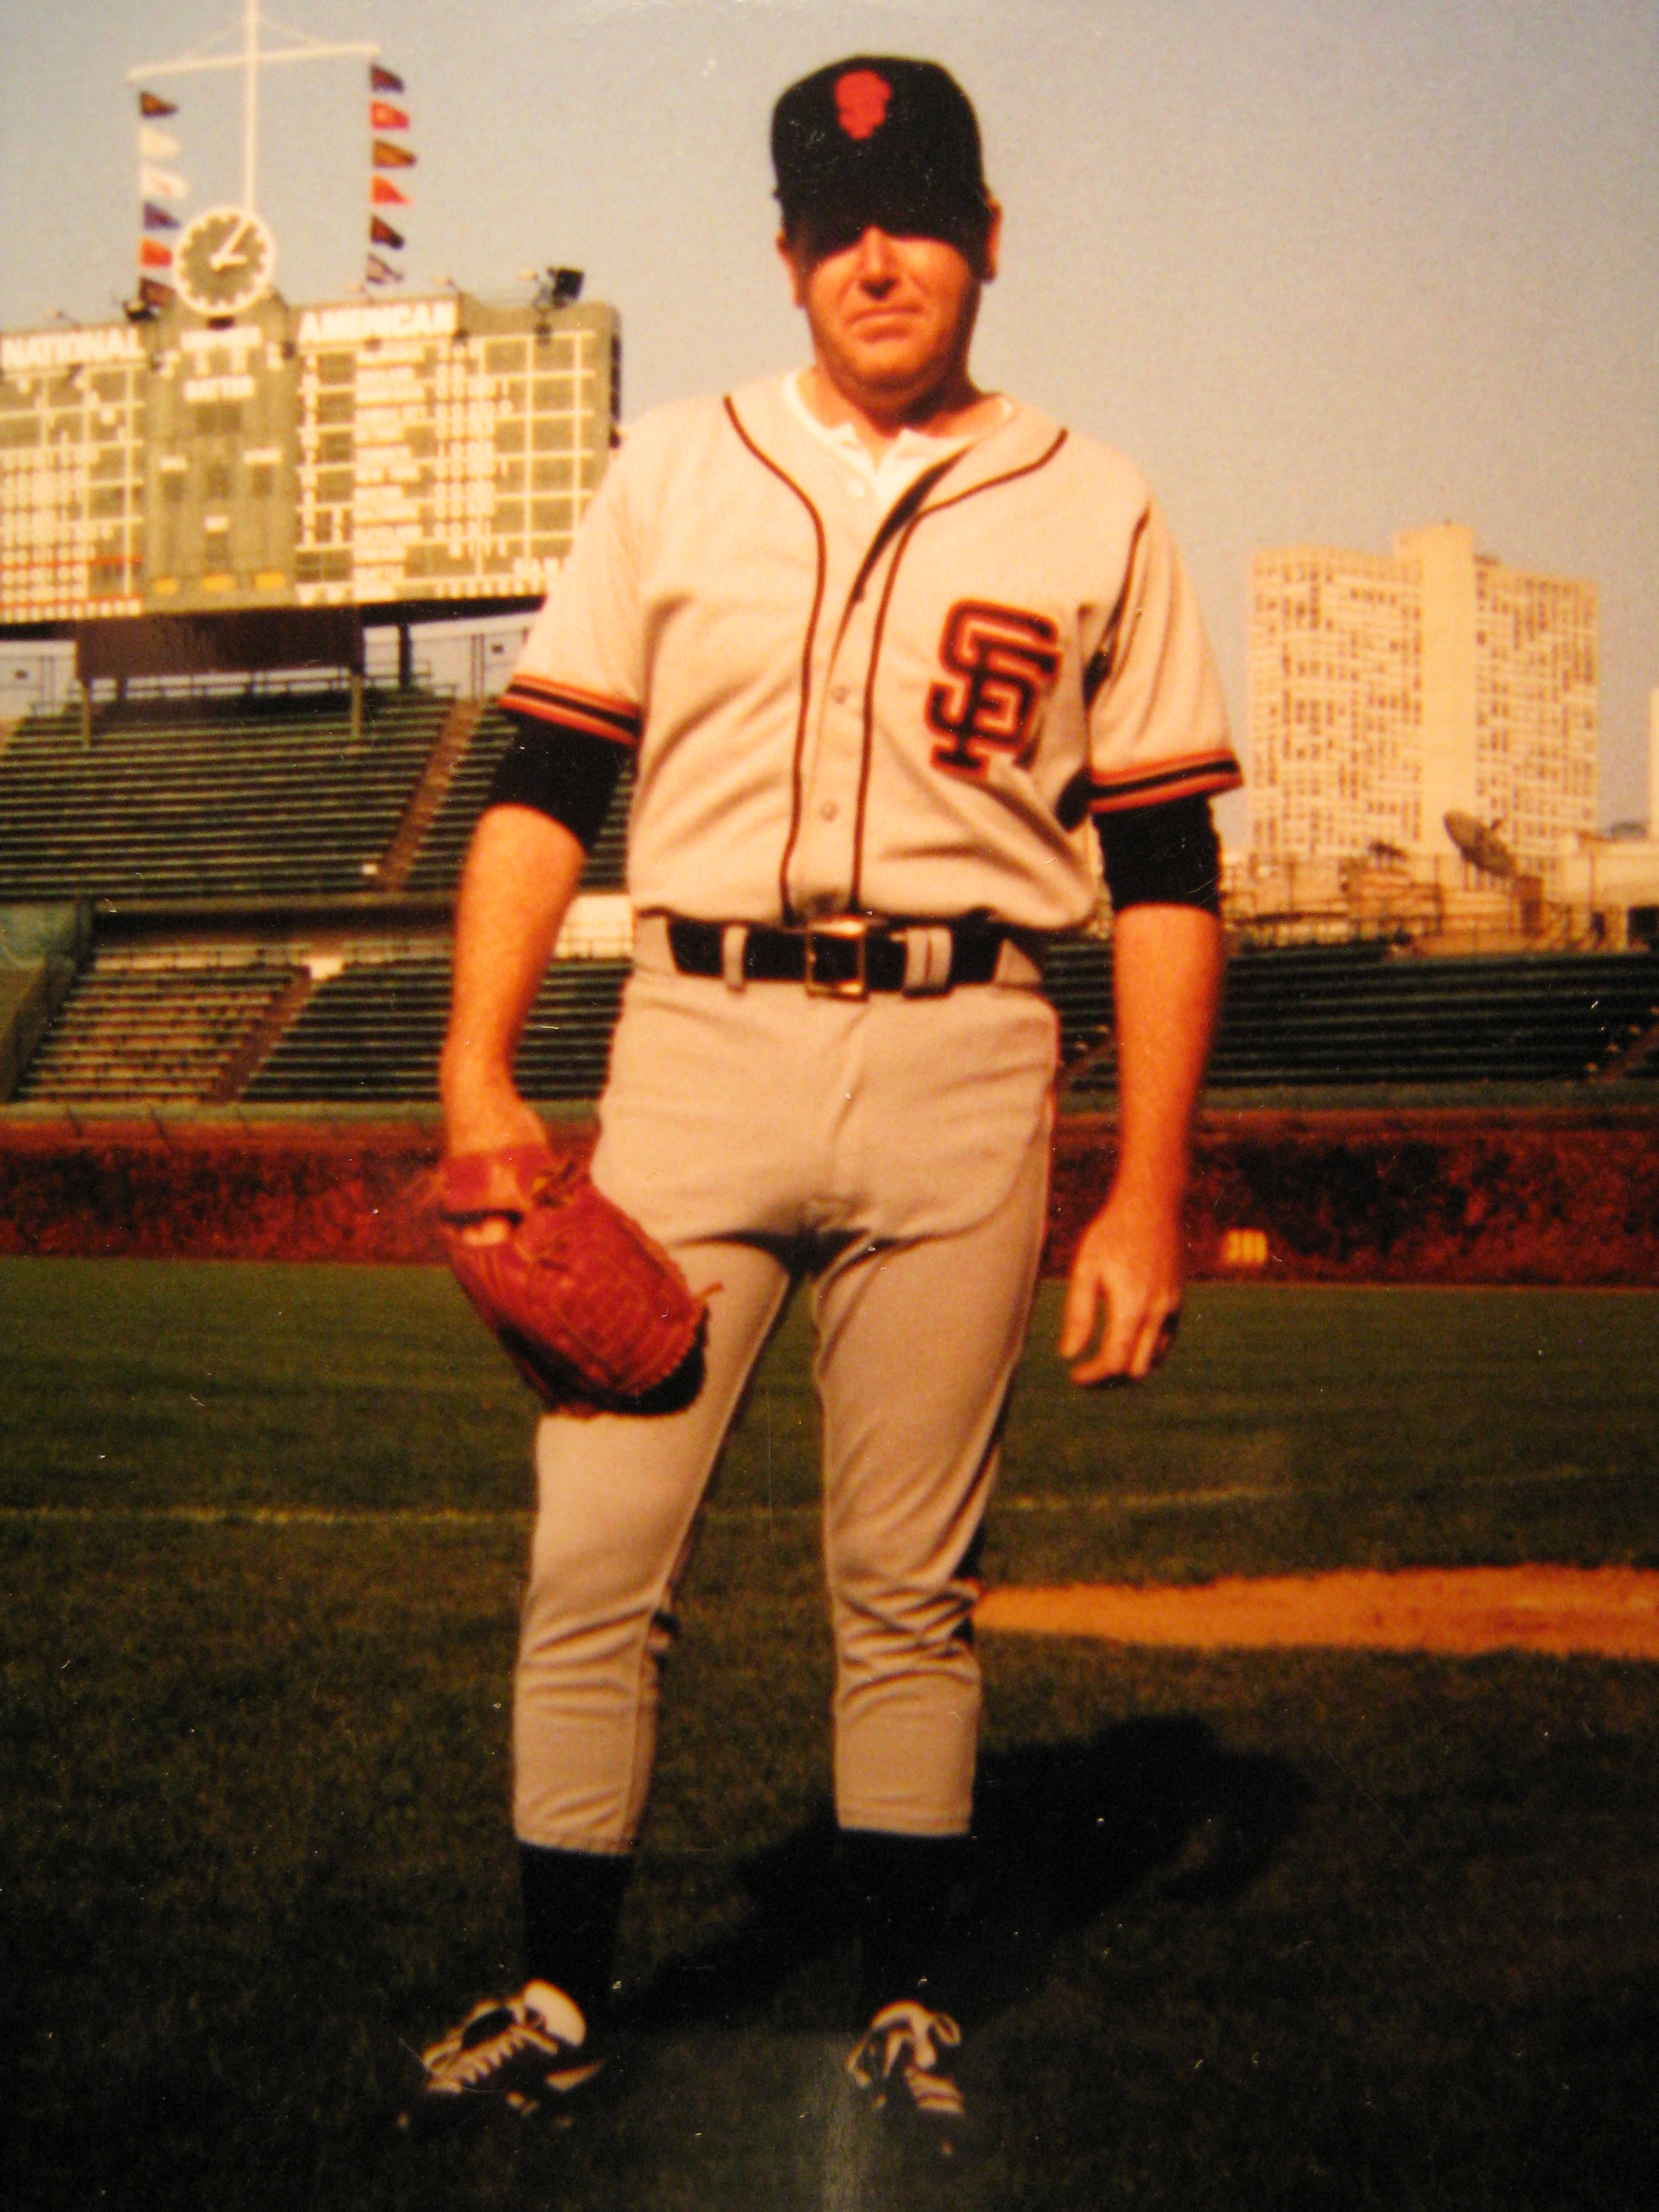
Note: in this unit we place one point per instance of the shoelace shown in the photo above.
(908, 2037)
(482, 2047)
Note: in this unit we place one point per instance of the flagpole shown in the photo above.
(251, 59)
(249, 98)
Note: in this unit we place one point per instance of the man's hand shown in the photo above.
(1126, 1283)
(489, 1118)
(1126, 1278)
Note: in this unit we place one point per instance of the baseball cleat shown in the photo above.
(509, 2054)
(901, 2069)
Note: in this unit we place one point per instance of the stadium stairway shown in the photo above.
(453, 739)
(437, 867)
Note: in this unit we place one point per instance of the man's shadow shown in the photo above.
(1060, 1831)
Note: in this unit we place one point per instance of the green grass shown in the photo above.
(1294, 1428)
(1303, 1930)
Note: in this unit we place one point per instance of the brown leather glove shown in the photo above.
(595, 1315)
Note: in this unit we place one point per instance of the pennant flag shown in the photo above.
(381, 80)
(157, 218)
(382, 272)
(387, 156)
(152, 254)
(163, 185)
(156, 145)
(151, 103)
(383, 116)
(385, 193)
(152, 294)
(382, 233)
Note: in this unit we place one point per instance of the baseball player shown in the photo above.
(881, 647)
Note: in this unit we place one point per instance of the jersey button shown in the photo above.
(828, 809)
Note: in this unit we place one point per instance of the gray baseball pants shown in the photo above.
(918, 1339)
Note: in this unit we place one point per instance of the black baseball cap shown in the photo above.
(884, 141)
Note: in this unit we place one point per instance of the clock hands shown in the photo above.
(228, 257)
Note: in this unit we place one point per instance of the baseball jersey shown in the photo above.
(838, 699)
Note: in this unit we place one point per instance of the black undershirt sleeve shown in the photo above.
(566, 774)
(1163, 855)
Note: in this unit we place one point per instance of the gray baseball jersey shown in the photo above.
(907, 713)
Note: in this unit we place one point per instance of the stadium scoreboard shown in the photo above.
(375, 451)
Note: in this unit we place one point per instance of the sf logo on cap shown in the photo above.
(861, 99)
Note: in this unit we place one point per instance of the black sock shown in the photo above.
(572, 1903)
(902, 1889)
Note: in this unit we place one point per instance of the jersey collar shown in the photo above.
(776, 420)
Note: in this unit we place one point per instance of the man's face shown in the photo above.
(892, 318)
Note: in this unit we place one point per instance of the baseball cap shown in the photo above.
(881, 140)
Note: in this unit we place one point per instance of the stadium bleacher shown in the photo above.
(164, 1025)
(370, 1035)
(1367, 1013)
(264, 795)
(173, 1027)
(244, 811)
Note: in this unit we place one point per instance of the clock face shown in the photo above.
(224, 261)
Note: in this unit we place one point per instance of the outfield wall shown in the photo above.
(1414, 1195)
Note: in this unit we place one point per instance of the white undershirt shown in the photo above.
(902, 459)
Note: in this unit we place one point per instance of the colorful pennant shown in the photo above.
(385, 153)
(157, 184)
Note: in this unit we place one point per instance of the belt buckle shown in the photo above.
(842, 928)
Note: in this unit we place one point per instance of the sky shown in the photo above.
(1326, 271)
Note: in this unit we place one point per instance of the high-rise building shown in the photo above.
(1388, 691)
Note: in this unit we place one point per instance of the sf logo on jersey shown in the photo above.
(1003, 662)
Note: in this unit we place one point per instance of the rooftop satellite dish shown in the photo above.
(1476, 842)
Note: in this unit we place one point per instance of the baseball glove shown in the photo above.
(595, 1316)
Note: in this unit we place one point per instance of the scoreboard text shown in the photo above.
(371, 451)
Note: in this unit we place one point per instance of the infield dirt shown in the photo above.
(1611, 1612)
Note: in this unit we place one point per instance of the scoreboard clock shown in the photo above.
(224, 261)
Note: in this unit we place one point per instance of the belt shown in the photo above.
(845, 956)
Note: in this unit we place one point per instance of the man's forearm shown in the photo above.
(1167, 966)
(521, 872)
(1126, 1274)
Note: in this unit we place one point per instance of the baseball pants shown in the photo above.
(918, 1339)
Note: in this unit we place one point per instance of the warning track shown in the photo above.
(1610, 1611)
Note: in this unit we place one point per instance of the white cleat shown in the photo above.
(901, 2069)
(513, 2054)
